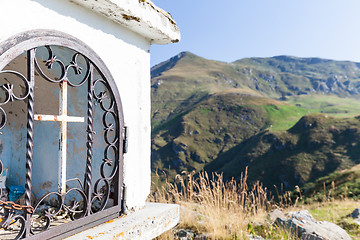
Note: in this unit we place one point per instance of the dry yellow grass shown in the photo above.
(233, 210)
(210, 205)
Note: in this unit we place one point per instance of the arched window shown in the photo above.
(61, 140)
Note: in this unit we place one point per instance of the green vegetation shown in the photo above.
(339, 184)
(196, 137)
(186, 78)
(283, 121)
(331, 105)
(315, 147)
(227, 133)
(284, 117)
(290, 120)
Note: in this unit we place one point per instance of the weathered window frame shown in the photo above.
(28, 42)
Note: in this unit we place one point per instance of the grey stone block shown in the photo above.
(306, 227)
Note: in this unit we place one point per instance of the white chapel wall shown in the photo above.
(126, 54)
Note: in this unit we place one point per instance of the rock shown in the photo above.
(357, 221)
(252, 237)
(276, 214)
(311, 237)
(203, 236)
(355, 213)
(301, 215)
(188, 234)
(306, 227)
(194, 156)
(181, 233)
(178, 147)
(178, 162)
(326, 230)
(184, 234)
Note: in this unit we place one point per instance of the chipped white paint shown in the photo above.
(146, 224)
(142, 17)
(63, 119)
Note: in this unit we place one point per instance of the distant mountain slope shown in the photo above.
(186, 78)
(315, 147)
(256, 113)
(213, 126)
(210, 127)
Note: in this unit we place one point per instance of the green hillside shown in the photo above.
(315, 147)
(210, 127)
(185, 79)
(341, 184)
(260, 113)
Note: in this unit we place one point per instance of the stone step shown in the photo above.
(146, 223)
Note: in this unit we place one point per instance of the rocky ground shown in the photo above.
(300, 224)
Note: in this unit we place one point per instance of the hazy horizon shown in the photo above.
(256, 57)
(233, 30)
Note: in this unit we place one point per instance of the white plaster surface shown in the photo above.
(147, 223)
(126, 54)
(142, 17)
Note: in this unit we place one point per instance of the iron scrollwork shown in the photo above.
(10, 96)
(92, 195)
(104, 99)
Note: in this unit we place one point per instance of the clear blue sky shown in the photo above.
(228, 30)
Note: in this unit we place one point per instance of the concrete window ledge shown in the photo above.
(147, 223)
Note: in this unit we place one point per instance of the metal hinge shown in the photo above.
(123, 201)
(125, 139)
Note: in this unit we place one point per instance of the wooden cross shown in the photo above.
(63, 119)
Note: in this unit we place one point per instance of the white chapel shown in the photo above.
(75, 119)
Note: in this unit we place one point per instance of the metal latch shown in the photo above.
(125, 139)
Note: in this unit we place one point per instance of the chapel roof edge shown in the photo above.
(140, 16)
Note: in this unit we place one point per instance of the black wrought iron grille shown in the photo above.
(80, 202)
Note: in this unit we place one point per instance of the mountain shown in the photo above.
(223, 117)
(315, 147)
(186, 78)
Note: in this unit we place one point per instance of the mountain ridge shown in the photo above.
(206, 112)
(278, 77)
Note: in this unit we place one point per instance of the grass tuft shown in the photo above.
(225, 210)
(233, 209)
